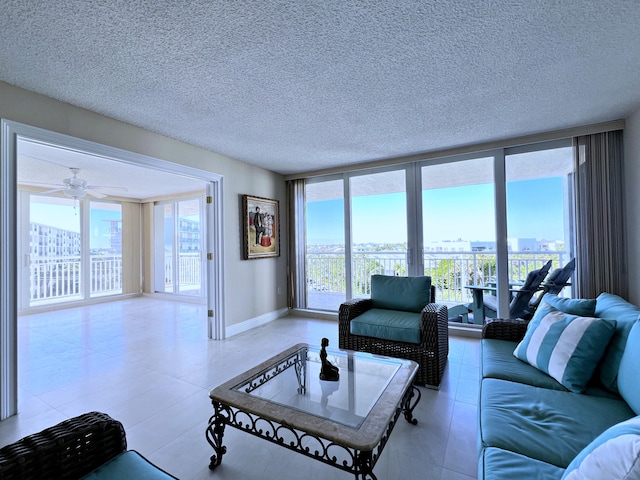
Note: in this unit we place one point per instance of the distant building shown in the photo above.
(514, 244)
(188, 235)
(523, 244)
(115, 236)
(46, 241)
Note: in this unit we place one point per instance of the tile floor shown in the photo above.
(148, 363)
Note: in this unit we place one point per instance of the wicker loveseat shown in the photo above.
(90, 446)
(401, 319)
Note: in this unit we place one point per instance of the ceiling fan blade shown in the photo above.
(51, 191)
(108, 187)
(95, 194)
(39, 184)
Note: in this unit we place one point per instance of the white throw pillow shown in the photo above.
(614, 454)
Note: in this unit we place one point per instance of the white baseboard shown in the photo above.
(237, 328)
(318, 314)
(462, 331)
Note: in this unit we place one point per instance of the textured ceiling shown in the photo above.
(297, 85)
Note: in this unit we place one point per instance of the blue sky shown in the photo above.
(534, 210)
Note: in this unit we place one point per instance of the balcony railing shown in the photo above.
(60, 277)
(450, 272)
(189, 271)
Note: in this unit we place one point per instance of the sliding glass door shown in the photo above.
(539, 209)
(325, 265)
(53, 268)
(72, 249)
(459, 230)
(378, 228)
(105, 248)
(340, 260)
(476, 224)
(178, 247)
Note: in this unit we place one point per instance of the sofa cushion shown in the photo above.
(567, 347)
(498, 361)
(542, 423)
(625, 314)
(614, 454)
(499, 464)
(129, 464)
(393, 325)
(409, 294)
(628, 376)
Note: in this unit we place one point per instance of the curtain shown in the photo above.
(297, 244)
(600, 230)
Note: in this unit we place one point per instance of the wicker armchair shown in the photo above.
(68, 450)
(430, 354)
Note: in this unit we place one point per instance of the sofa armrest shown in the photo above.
(68, 450)
(512, 329)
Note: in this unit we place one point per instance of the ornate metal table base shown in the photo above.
(358, 462)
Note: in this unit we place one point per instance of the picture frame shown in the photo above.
(265, 242)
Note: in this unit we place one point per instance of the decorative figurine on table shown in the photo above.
(328, 371)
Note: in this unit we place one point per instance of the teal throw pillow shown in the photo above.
(566, 347)
(584, 307)
(614, 454)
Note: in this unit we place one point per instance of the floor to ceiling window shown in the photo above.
(72, 249)
(378, 228)
(326, 285)
(459, 226)
(54, 255)
(465, 226)
(105, 247)
(178, 247)
(539, 197)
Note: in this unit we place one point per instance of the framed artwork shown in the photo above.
(261, 231)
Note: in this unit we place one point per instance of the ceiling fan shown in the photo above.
(77, 188)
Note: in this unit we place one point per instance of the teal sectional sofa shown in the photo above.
(555, 404)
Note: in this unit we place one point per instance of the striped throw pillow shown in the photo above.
(566, 347)
(614, 454)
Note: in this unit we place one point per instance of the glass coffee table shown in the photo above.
(344, 423)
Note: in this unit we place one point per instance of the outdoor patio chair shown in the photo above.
(554, 283)
(519, 306)
(401, 319)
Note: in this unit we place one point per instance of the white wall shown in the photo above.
(632, 193)
(250, 285)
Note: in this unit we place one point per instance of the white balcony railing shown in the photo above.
(450, 271)
(59, 278)
(189, 270)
